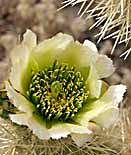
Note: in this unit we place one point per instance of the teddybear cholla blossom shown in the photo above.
(57, 87)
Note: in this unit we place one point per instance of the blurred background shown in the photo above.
(42, 17)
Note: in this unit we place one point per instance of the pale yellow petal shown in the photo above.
(100, 66)
(18, 100)
(63, 130)
(29, 39)
(94, 83)
(88, 58)
(110, 100)
(52, 49)
(38, 126)
(56, 131)
(104, 66)
(20, 61)
(107, 118)
(81, 139)
(20, 119)
(90, 45)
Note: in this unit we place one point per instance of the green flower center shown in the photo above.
(58, 92)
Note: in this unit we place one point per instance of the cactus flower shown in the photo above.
(58, 89)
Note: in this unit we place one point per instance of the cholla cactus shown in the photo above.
(113, 15)
(57, 88)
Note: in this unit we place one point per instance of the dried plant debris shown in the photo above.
(6, 107)
(113, 16)
(18, 140)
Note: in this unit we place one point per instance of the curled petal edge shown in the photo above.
(39, 128)
(18, 100)
(110, 100)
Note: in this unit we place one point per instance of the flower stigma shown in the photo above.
(58, 91)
